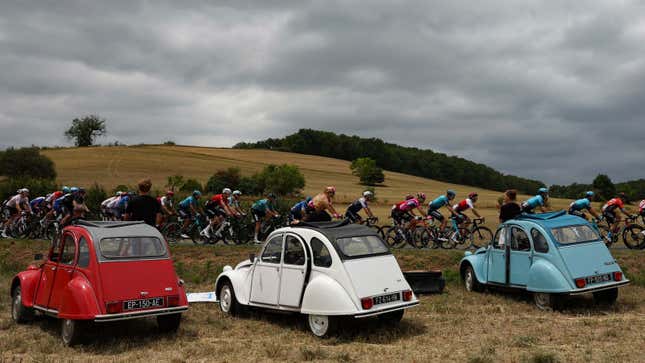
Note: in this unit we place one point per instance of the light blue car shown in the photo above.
(551, 255)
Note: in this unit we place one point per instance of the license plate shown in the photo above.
(155, 302)
(598, 279)
(384, 299)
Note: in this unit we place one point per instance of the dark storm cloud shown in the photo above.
(545, 90)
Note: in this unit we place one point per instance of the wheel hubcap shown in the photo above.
(225, 299)
(17, 301)
(319, 324)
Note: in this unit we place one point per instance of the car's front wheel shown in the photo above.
(547, 302)
(470, 281)
(20, 313)
(168, 323)
(323, 326)
(72, 331)
(227, 301)
(607, 297)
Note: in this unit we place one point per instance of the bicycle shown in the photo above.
(196, 225)
(171, 230)
(371, 222)
(474, 236)
(633, 235)
(397, 236)
(439, 238)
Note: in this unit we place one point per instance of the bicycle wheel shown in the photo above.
(461, 239)
(480, 237)
(634, 237)
(444, 240)
(172, 232)
(244, 233)
(417, 238)
(227, 235)
(428, 238)
(193, 233)
(395, 237)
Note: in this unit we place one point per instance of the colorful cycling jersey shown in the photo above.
(114, 203)
(612, 204)
(37, 203)
(17, 200)
(464, 205)
(534, 202)
(218, 199)
(580, 204)
(233, 202)
(123, 202)
(641, 206)
(262, 205)
(438, 203)
(407, 205)
(166, 201)
(107, 202)
(298, 207)
(58, 203)
(186, 203)
(357, 205)
(53, 196)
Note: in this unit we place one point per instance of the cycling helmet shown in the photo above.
(472, 195)
(197, 193)
(271, 195)
(170, 193)
(622, 195)
(330, 189)
(589, 194)
(409, 196)
(24, 190)
(226, 191)
(451, 193)
(237, 192)
(421, 195)
(543, 191)
(73, 190)
(308, 199)
(119, 193)
(368, 194)
(65, 189)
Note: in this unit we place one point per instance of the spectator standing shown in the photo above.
(143, 207)
(509, 209)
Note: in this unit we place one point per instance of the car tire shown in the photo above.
(547, 302)
(323, 326)
(168, 323)
(20, 313)
(606, 297)
(393, 317)
(227, 301)
(72, 331)
(470, 281)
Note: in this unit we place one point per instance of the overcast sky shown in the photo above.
(553, 90)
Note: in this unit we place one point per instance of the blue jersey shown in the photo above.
(123, 202)
(298, 207)
(535, 202)
(438, 203)
(580, 204)
(186, 203)
(35, 204)
(262, 205)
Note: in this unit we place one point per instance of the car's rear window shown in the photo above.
(353, 247)
(574, 234)
(132, 248)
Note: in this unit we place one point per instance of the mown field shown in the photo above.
(454, 326)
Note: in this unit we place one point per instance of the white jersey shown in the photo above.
(107, 202)
(165, 201)
(641, 206)
(114, 203)
(17, 200)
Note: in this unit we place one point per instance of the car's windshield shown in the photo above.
(574, 234)
(132, 247)
(361, 246)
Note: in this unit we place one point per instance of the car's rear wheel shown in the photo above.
(547, 302)
(72, 331)
(607, 297)
(470, 281)
(393, 317)
(168, 323)
(20, 313)
(323, 326)
(227, 301)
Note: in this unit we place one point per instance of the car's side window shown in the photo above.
(322, 258)
(273, 250)
(83, 253)
(519, 240)
(539, 241)
(294, 254)
(69, 250)
(55, 250)
(499, 241)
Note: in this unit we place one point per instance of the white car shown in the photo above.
(326, 271)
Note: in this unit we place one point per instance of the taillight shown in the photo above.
(580, 283)
(407, 295)
(173, 300)
(618, 276)
(367, 303)
(113, 307)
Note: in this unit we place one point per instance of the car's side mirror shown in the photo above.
(38, 256)
(252, 257)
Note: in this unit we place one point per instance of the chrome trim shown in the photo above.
(394, 308)
(45, 310)
(599, 288)
(139, 314)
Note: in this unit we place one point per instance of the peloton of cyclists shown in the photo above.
(352, 212)
(16, 205)
(403, 212)
(217, 209)
(464, 205)
(578, 207)
(609, 212)
(435, 206)
(539, 200)
(316, 209)
(262, 210)
(189, 208)
(298, 211)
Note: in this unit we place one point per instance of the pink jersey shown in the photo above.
(641, 206)
(408, 205)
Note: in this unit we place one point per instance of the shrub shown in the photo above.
(169, 143)
(250, 185)
(175, 182)
(122, 188)
(367, 171)
(37, 187)
(281, 179)
(94, 196)
(190, 185)
(229, 178)
(26, 163)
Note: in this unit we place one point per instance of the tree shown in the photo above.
(190, 185)
(280, 179)
(175, 182)
(367, 171)
(604, 186)
(229, 178)
(26, 163)
(83, 131)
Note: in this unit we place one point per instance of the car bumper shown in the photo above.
(387, 310)
(599, 288)
(139, 314)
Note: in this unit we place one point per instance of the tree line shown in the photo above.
(409, 160)
(604, 188)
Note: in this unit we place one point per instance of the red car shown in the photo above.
(101, 272)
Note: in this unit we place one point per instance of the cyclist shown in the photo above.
(316, 209)
(188, 208)
(51, 198)
(234, 203)
(537, 201)
(106, 210)
(437, 203)
(16, 205)
(167, 206)
(298, 211)
(38, 205)
(464, 205)
(609, 212)
(577, 208)
(217, 209)
(262, 210)
(73, 205)
(361, 203)
(403, 212)
(641, 209)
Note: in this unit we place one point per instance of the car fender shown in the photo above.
(546, 277)
(238, 279)
(78, 300)
(325, 296)
(28, 282)
(478, 262)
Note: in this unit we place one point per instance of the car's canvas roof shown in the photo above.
(336, 230)
(550, 219)
(99, 229)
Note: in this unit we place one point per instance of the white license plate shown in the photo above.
(155, 302)
(384, 299)
(598, 279)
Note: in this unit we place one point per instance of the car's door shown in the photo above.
(265, 285)
(65, 270)
(48, 274)
(497, 257)
(520, 259)
(294, 271)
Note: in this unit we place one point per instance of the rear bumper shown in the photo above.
(599, 288)
(388, 310)
(139, 314)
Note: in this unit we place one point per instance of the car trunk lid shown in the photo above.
(588, 259)
(373, 276)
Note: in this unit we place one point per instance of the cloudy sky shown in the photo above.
(553, 90)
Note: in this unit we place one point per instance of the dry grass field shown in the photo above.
(454, 326)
